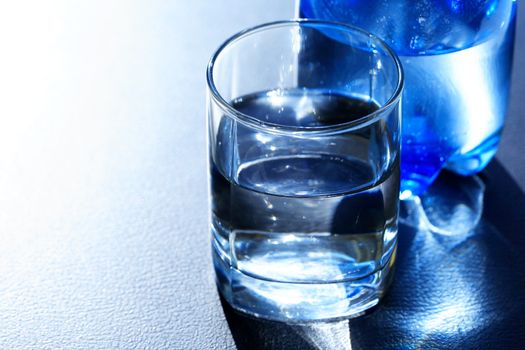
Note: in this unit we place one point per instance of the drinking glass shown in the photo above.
(304, 169)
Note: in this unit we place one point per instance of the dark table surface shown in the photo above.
(104, 238)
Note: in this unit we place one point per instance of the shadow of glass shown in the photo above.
(462, 291)
(251, 333)
(254, 334)
(451, 291)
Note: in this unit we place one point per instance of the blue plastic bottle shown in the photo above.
(457, 56)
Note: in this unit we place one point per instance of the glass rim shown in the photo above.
(346, 126)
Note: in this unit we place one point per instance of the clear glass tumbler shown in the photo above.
(304, 169)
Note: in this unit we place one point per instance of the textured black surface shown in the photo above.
(103, 207)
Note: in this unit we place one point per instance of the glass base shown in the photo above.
(416, 181)
(451, 206)
(477, 159)
(301, 302)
